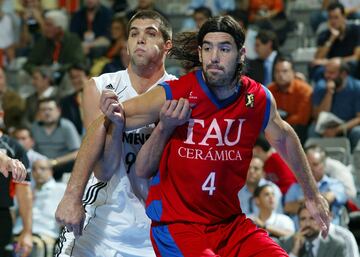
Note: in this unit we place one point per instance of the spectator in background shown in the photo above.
(41, 81)
(32, 25)
(269, 15)
(352, 11)
(57, 49)
(339, 40)
(256, 177)
(7, 38)
(10, 189)
(91, 23)
(199, 16)
(12, 103)
(217, 7)
(55, 137)
(330, 188)
(266, 48)
(71, 105)
(24, 137)
(338, 94)
(47, 194)
(276, 224)
(117, 56)
(307, 241)
(292, 96)
(241, 17)
(144, 5)
(276, 170)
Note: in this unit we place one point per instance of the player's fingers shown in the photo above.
(186, 111)
(20, 170)
(172, 107)
(178, 108)
(165, 107)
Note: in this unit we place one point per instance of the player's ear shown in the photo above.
(200, 55)
(242, 53)
(168, 45)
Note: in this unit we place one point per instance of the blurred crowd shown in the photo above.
(50, 48)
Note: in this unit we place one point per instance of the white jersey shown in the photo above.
(115, 213)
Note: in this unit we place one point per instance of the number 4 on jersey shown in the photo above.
(209, 184)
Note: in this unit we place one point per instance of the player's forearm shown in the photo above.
(291, 151)
(111, 158)
(148, 158)
(24, 198)
(89, 153)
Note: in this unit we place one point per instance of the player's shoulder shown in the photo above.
(249, 84)
(112, 80)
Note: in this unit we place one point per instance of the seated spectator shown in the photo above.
(352, 249)
(339, 40)
(47, 194)
(41, 81)
(276, 224)
(292, 96)
(144, 5)
(217, 7)
(55, 137)
(57, 49)
(276, 170)
(12, 103)
(255, 178)
(71, 105)
(7, 38)
(91, 23)
(24, 137)
(307, 241)
(116, 57)
(332, 189)
(266, 48)
(200, 15)
(269, 15)
(32, 25)
(338, 94)
(352, 11)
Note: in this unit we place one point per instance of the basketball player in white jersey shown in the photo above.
(115, 223)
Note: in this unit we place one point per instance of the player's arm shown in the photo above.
(139, 111)
(173, 114)
(24, 198)
(284, 139)
(17, 168)
(70, 211)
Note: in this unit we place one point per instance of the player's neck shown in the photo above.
(224, 92)
(143, 77)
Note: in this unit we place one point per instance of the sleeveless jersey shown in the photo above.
(115, 209)
(205, 162)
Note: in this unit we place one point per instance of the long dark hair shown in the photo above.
(185, 44)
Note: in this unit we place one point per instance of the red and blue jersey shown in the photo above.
(205, 162)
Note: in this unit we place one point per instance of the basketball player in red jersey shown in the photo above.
(193, 199)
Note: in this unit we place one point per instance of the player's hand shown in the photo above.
(24, 244)
(319, 209)
(14, 166)
(111, 107)
(174, 113)
(71, 214)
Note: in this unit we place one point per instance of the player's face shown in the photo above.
(146, 44)
(308, 225)
(219, 56)
(267, 199)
